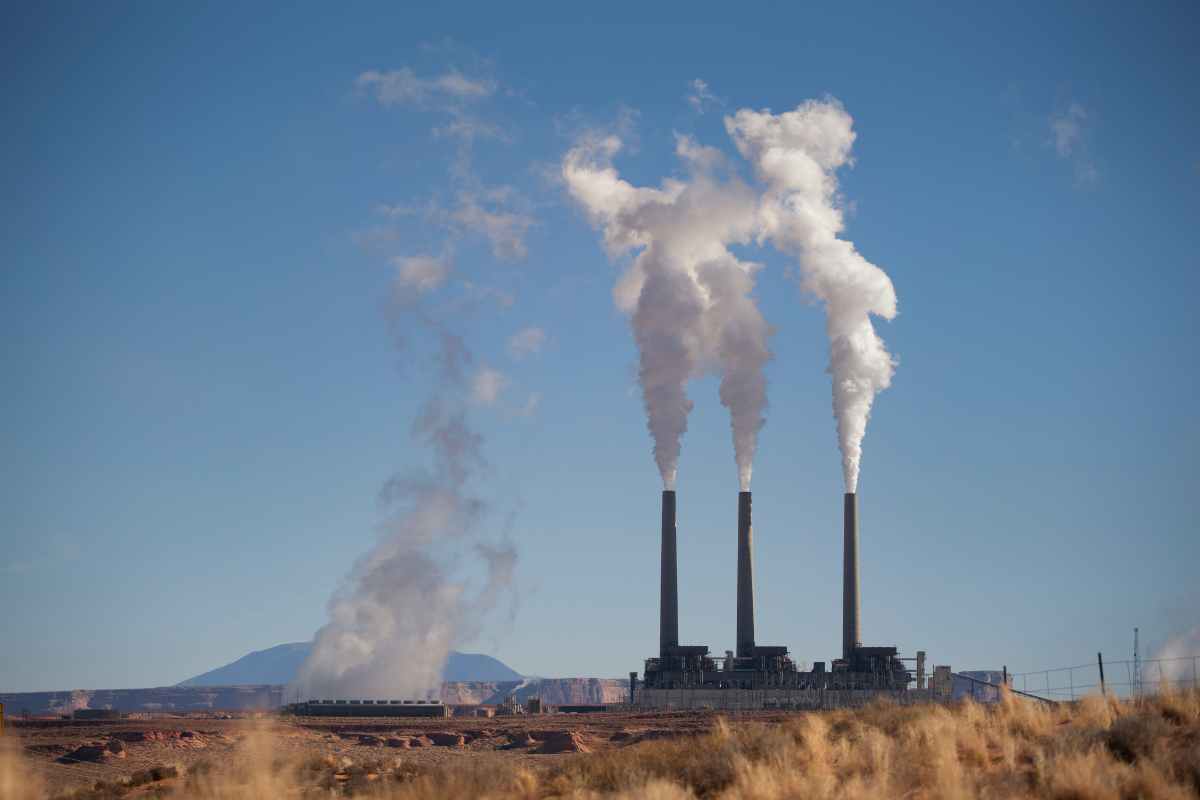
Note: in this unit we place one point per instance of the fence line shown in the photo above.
(1060, 683)
(997, 687)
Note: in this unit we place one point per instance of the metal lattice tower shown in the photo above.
(1136, 688)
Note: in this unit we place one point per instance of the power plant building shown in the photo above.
(757, 676)
(366, 708)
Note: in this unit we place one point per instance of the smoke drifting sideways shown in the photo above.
(796, 155)
(393, 625)
(688, 298)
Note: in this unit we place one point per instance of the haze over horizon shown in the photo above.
(361, 303)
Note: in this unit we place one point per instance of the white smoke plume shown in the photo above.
(1177, 656)
(393, 627)
(409, 601)
(796, 155)
(1177, 659)
(687, 296)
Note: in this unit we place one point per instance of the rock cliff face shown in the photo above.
(198, 698)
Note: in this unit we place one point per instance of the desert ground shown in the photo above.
(1095, 748)
(49, 748)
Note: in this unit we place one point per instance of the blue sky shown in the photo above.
(203, 389)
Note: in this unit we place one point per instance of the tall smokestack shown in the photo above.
(851, 614)
(668, 607)
(745, 577)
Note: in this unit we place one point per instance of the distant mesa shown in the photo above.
(260, 681)
(277, 665)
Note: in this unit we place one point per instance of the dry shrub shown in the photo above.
(370, 766)
(1082, 777)
(1097, 749)
(151, 775)
(1177, 707)
(1095, 711)
(1025, 719)
(657, 789)
(409, 771)
(162, 773)
(705, 764)
(466, 780)
(1134, 736)
(316, 764)
(1184, 766)
(140, 777)
(318, 772)
(889, 716)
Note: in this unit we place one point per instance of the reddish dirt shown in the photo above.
(39, 746)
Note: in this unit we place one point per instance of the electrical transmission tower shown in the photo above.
(1136, 689)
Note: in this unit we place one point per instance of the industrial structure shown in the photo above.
(758, 676)
(366, 708)
(1135, 684)
(95, 713)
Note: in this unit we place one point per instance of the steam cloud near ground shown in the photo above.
(689, 299)
(1175, 656)
(390, 633)
(406, 603)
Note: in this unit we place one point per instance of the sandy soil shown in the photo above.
(42, 748)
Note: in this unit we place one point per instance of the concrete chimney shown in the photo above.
(851, 614)
(668, 604)
(745, 577)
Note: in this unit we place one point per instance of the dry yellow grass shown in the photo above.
(1096, 749)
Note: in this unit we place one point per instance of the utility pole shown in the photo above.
(1136, 689)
